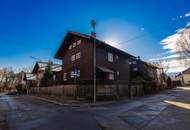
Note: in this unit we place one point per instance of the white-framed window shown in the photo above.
(111, 76)
(78, 55)
(74, 44)
(72, 74)
(70, 47)
(117, 73)
(73, 58)
(78, 42)
(65, 77)
(117, 57)
(135, 69)
(110, 57)
(54, 77)
(134, 62)
(78, 73)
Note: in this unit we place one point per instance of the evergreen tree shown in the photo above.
(47, 77)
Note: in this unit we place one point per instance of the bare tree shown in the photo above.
(7, 78)
(183, 43)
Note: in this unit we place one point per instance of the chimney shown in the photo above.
(93, 34)
(138, 58)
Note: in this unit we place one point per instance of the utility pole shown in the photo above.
(93, 24)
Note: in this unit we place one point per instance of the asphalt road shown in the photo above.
(27, 113)
(167, 110)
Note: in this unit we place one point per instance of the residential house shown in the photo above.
(184, 77)
(29, 80)
(40, 67)
(112, 65)
(146, 71)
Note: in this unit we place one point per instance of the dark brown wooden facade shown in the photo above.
(118, 70)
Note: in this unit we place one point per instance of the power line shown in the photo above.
(143, 35)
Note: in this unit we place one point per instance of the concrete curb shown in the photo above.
(73, 105)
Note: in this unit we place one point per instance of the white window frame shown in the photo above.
(117, 57)
(110, 57)
(78, 72)
(134, 62)
(78, 55)
(72, 74)
(65, 77)
(74, 44)
(70, 47)
(135, 69)
(111, 76)
(54, 77)
(79, 42)
(118, 73)
(73, 58)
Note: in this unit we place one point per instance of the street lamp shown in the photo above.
(93, 24)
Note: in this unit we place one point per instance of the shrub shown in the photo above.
(21, 89)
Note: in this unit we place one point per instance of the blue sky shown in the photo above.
(37, 27)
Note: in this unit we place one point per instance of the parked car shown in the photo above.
(12, 93)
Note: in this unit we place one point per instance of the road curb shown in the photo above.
(73, 105)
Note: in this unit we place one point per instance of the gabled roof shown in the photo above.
(43, 65)
(60, 50)
(29, 76)
(62, 47)
(152, 65)
(187, 71)
(179, 74)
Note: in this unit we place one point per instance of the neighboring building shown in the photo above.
(40, 67)
(112, 64)
(146, 71)
(29, 80)
(184, 77)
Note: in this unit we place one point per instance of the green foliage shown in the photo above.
(137, 79)
(21, 89)
(47, 77)
(48, 71)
